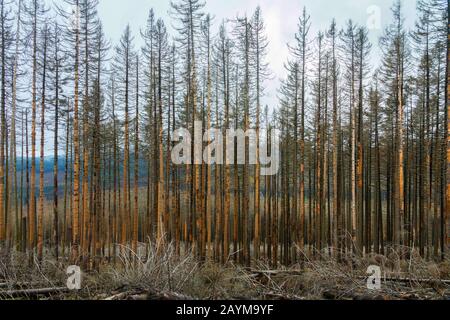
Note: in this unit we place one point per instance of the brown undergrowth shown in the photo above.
(157, 272)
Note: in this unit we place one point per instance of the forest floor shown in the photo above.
(166, 276)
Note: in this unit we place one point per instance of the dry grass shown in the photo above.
(17, 272)
(325, 277)
(161, 271)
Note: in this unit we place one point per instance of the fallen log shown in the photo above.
(167, 296)
(279, 296)
(427, 281)
(16, 284)
(119, 296)
(134, 295)
(278, 272)
(33, 292)
(386, 279)
(340, 295)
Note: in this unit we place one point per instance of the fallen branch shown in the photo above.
(33, 292)
(167, 296)
(119, 296)
(278, 272)
(278, 296)
(386, 279)
(16, 284)
(339, 295)
(427, 281)
(133, 295)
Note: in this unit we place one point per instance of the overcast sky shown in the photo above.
(280, 16)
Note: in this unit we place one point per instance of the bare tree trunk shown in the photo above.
(76, 151)
(40, 225)
(66, 182)
(55, 153)
(13, 156)
(227, 173)
(31, 216)
(136, 166)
